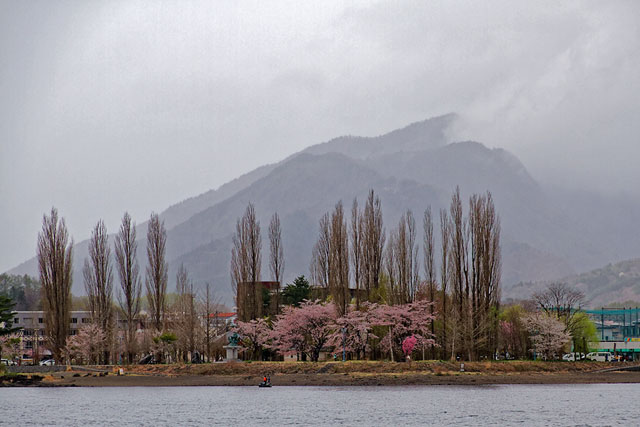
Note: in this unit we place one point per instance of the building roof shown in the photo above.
(221, 315)
(269, 285)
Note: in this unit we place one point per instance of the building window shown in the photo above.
(85, 320)
(74, 320)
(40, 320)
(73, 332)
(16, 320)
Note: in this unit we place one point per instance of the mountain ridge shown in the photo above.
(410, 168)
(613, 283)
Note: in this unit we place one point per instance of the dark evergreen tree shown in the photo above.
(296, 292)
(6, 315)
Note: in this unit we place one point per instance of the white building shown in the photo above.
(32, 328)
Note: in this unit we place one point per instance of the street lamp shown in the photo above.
(36, 346)
(344, 351)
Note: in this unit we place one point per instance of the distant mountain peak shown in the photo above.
(432, 131)
(418, 136)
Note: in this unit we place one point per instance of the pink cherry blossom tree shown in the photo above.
(304, 330)
(254, 335)
(547, 334)
(357, 325)
(10, 346)
(402, 321)
(87, 344)
(408, 345)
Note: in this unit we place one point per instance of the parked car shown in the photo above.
(48, 362)
(573, 357)
(601, 356)
(7, 362)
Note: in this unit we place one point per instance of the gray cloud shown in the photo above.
(107, 107)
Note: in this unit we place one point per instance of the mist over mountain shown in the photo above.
(546, 232)
(615, 283)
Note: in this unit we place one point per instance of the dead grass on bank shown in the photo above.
(366, 367)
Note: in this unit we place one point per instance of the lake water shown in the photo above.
(598, 404)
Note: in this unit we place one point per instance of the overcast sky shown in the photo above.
(114, 106)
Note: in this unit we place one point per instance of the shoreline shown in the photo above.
(340, 374)
(342, 380)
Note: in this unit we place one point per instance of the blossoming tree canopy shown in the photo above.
(306, 329)
(403, 321)
(87, 344)
(409, 344)
(357, 330)
(254, 335)
(313, 326)
(547, 334)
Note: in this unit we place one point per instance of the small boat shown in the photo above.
(266, 382)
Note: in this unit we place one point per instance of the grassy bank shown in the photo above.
(369, 367)
(362, 373)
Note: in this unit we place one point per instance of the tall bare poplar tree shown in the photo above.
(186, 316)
(445, 233)
(246, 262)
(130, 285)
(407, 258)
(373, 237)
(239, 271)
(391, 269)
(339, 260)
(356, 249)
(319, 268)
(429, 265)
(402, 260)
(459, 272)
(330, 258)
(485, 261)
(276, 254)
(474, 263)
(55, 265)
(98, 283)
(208, 304)
(157, 270)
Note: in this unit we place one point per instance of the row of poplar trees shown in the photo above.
(386, 270)
(246, 264)
(356, 256)
(55, 262)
